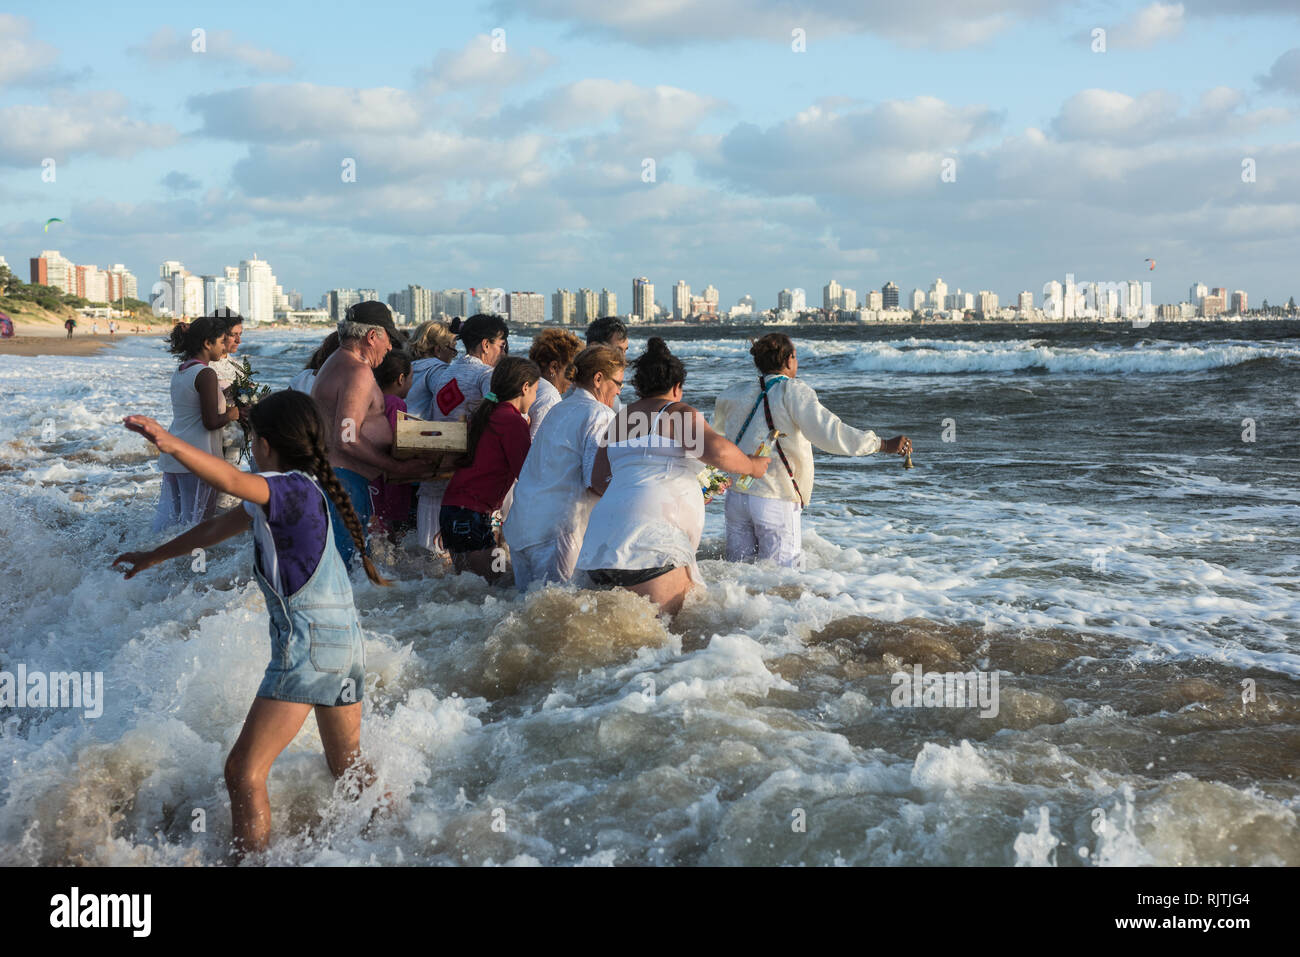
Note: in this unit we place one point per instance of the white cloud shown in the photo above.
(22, 59)
(1150, 25)
(293, 112)
(168, 45)
(77, 123)
(644, 112)
(1111, 116)
(477, 66)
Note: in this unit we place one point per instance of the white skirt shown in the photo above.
(185, 500)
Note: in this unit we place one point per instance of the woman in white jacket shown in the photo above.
(764, 521)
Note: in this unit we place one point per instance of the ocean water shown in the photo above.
(1088, 518)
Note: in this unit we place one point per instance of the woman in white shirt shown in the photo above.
(764, 522)
(199, 413)
(553, 350)
(554, 495)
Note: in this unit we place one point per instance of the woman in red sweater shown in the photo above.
(496, 447)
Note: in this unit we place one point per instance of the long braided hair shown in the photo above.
(292, 425)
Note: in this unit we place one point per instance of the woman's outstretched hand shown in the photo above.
(899, 445)
(137, 562)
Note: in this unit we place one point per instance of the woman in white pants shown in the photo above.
(554, 495)
(764, 522)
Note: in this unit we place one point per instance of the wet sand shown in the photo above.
(34, 339)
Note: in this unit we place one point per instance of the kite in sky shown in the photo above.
(52, 219)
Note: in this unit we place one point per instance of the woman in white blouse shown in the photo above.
(553, 350)
(554, 496)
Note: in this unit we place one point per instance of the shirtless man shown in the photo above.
(358, 435)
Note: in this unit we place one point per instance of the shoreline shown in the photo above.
(38, 339)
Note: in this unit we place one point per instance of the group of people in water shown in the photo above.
(558, 484)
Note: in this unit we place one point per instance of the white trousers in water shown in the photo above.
(544, 564)
(761, 529)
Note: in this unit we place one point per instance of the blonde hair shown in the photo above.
(430, 336)
(603, 359)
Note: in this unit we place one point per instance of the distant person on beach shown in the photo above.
(70, 324)
(764, 521)
(199, 413)
(303, 380)
(457, 390)
(393, 500)
(112, 328)
(554, 497)
(432, 347)
(359, 438)
(318, 659)
(644, 531)
(497, 446)
(553, 350)
(608, 331)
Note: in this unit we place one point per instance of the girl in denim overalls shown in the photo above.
(317, 658)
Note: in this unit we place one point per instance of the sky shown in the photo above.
(998, 144)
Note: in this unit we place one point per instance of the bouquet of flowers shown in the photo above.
(713, 482)
(244, 392)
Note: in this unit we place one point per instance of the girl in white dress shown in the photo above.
(645, 530)
(199, 413)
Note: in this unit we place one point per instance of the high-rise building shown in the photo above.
(643, 300)
(1025, 302)
(918, 300)
(340, 300)
(256, 290)
(747, 301)
(169, 269)
(986, 302)
(1070, 298)
(368, 295)
(889, 295)
(1054, 300)
(938, 294)
(413, 302)
(588, 307)
(526, 307)
(832, 296)
(1212, 305)
(785, 300)
(875, 301)
(798, 300)
(1239, 306)
(295, 300)
(451, 302)
(220, 292)
(122, 283)
(711, 296)
(564, 306)
(849, 298)
(681, 300)
(50, 268)
(608, 302)
(1198, 292)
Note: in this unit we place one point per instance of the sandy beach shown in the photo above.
(39, 339)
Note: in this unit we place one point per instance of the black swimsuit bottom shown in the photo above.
(626, 577)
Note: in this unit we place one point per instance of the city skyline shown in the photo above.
(558, 145)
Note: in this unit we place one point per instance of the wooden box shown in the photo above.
(419, 438)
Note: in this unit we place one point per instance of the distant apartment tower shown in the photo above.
(50, 268)
(889, 295)
(340, 300)
(986, 302)
(527, 307)
(832, 296)
(938, 294)
(564, 307)
(1239, 306)
(121, 283)
(414, 302)
(451, 302)
(785, 300)
(849, 298)
(1025, 302)
(798, 300)
(1054, 300)
(588, 306)
(681, 299)
(257, 290)
(918, 299)
(711, 296)
(643, 299)
(608, 302)
(169, 269)
(92, 283)
(1212, 305)
(1197, 292)
(875, 300)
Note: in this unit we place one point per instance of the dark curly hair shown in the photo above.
(658, 370)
